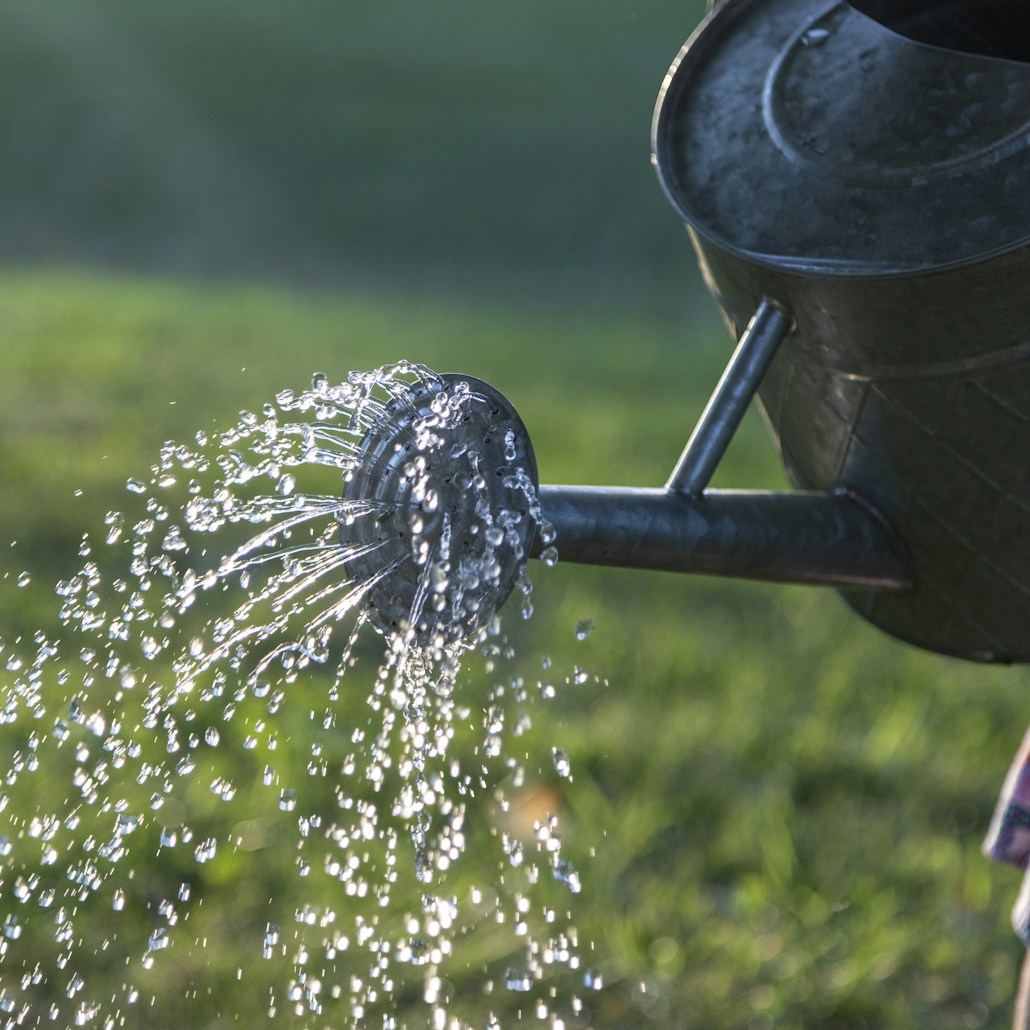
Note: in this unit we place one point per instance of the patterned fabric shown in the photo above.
(1009, 836)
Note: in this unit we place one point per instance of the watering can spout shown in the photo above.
(450, 468)
(828, 539)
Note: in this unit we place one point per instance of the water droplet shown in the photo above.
(271, 940)
(173, 540)
(205, 851)
(584, 628)
(516, 980)
(565, 872)
(514, 851)
(814, 37)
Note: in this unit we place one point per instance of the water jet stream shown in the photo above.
(214, 637)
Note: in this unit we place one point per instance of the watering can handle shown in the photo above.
(769, 327)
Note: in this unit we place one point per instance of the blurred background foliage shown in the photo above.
(490, 153)
(775, 810)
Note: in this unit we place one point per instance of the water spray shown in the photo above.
(869, 256)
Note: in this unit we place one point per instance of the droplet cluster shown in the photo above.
(216, 702)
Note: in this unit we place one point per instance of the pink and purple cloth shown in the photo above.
(1009, 837)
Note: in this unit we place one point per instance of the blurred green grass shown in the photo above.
(785, 807)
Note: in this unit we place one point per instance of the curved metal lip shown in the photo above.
(998, 150)
(829, 269)
(688, 56)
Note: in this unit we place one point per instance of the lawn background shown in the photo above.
(201, 204)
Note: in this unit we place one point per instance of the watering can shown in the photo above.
(855, 180)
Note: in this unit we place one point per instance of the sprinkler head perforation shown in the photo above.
(445, 555)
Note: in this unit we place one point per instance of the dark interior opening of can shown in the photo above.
(992, 28)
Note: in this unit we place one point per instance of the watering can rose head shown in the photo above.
(453, 466)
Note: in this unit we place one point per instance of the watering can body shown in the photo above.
(855, 178)
(877, 188)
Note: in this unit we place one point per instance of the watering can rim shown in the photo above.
(829, 270)
(699, 46)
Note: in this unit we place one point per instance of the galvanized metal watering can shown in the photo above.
(855, 179)
(876, 186)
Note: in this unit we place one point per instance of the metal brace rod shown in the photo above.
(707, 444)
